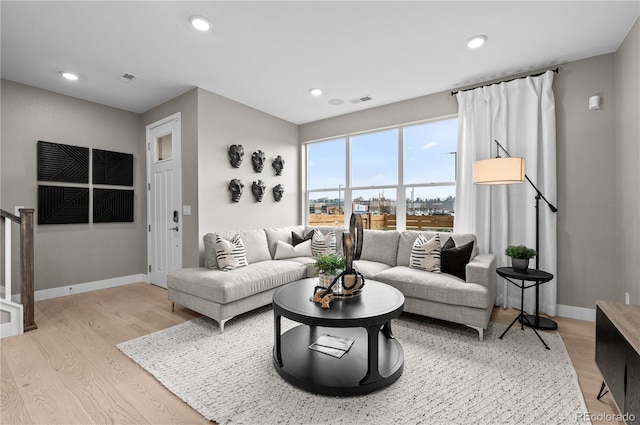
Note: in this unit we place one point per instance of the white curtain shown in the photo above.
(520, 114)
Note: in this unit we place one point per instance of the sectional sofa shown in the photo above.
(273, 262)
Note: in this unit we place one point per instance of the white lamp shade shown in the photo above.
(498, 171)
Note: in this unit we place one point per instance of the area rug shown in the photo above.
(449, 376)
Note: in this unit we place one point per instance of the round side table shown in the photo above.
(538, 277)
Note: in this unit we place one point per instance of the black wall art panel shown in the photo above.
(63, 205)
(112, 206)
(62, 163)
(113, 168)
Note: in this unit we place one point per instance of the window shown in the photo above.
(374, 159)
(326, 164)
(366, 173)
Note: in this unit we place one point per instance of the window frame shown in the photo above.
(347, 190)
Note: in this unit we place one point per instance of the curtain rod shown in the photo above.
(557, 70)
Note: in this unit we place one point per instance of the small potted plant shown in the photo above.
(328, 267)
(520, 256)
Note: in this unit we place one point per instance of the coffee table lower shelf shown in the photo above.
(320, 373)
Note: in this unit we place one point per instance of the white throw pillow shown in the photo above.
(321, 244)
(284, 250)
(230, 254)
(425, 254)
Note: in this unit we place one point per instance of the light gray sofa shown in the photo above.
(385, 258)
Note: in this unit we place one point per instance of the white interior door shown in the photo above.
(164, 184)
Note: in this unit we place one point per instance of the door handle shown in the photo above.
(174, 228)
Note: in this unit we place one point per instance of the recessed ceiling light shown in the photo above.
(69, 76)
(315, 92)
(200, 23)
(476, 41)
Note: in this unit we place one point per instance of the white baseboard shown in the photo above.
(63, 291)
(580, 313)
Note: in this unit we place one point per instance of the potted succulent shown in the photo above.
(520, 256)
(328, 267)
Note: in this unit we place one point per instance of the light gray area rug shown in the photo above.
(449, 376)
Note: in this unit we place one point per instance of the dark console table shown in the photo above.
(376, 358)
(618, 355)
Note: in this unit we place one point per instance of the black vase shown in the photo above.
(520, 265)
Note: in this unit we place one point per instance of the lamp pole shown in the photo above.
(536, 321)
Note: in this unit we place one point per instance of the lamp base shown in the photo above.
(541, 323)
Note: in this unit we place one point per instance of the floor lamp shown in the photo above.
(510, 170)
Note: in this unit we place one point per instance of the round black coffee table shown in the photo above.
(376, 358)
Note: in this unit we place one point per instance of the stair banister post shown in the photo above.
(27, 268)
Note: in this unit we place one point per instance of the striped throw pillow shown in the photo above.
(323, 244)
(425, 254)
(230, 254)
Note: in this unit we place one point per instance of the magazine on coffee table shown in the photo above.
(334, 346)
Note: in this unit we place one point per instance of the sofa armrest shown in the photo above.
(482, 270)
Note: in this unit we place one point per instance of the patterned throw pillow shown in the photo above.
(425, 254)
(321, 244)
(230, 254)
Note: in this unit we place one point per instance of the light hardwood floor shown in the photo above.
(69, 370)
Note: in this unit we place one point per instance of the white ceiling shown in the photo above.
(269, 54)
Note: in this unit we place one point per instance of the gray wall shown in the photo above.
(627, 86)
(587, 262)
(587, 255)
(73, 253)
(221, 123)
(187, 105)
(210, 124)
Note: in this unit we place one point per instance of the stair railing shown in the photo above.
(26, 262)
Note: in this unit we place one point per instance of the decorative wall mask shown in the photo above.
(236, 187)
(236, 153)
(258, 159)
(278, 191)
(278, 164)
(258, 188)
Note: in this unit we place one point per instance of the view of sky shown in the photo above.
(428, 158)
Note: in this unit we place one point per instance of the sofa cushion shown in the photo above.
(437, 287)
(380, 246)
(225, 287)
(255, 242)
(280, 234)
(339, 231)
(454, 259)
(298, 239)
(230, 254)
(323, 244)
(405, 245)
(284, 250)
(460, 239)
(408, 237)
(369, 268)
(425, 254)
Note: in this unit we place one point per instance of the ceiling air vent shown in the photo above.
(360, 99)
(127, 78)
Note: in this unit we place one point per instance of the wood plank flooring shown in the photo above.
(69, 370)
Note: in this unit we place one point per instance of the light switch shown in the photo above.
(186, 210)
